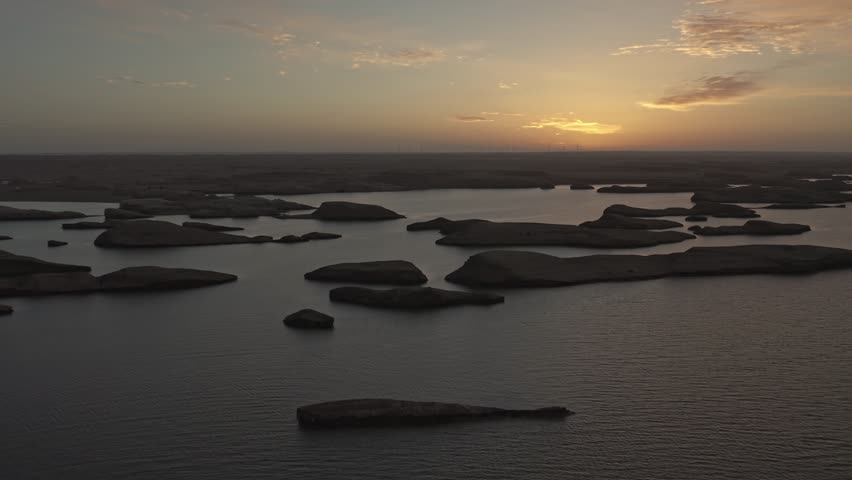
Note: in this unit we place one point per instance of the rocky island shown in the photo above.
(349, 211)
(613, 220)
(755, 227)
(156, 233)
(12, 213)
(529, 269)
(387, 412)
(309, 319)
(389, 272)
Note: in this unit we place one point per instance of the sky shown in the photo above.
(83, 76)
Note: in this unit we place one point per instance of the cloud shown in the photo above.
(135, 81)
(404, 57)
(713, 90)
(574, 125)
(274, 37)
(753, 27)
(473, 119)
(507, 86)
(501, 114)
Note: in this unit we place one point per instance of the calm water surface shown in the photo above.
(687, 378)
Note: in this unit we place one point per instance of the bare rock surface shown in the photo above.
(371, 412)
(321, 236)
(155, 233)
(612, 220)
(12, 213)
(481, 234)
(801, 206)
(349, 211)
(388, 272)
(212, 227)
(710, 209)
(757, 194)
(441, 224)
(755, 227)
(56, 243)
(529, 269)
(122, 214)
(5, 237)
(88, 225)
(582, 186)
(309, 319)
(240, 206)
(411, 298)
(14, 265)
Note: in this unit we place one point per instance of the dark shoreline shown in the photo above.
(111, 178)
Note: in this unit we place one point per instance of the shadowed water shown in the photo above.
(679, 378)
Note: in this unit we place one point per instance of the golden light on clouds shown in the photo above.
(574, 125)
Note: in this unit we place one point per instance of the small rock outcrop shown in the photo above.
(389, 272)
(56, 243)
(155, 233)
(122, 214)
(581, 186)
(387, 412)
(309, 320)
(211, 227)
(696, 218)
(321, 236)
(481, 234)
(443, 225)
(291, 239)
(514, 269)
(11, 213)
(411, 298)
(88, 225)
(612, 220)
(5, 237)
(755, 227)
(6, 310)
(349, 211)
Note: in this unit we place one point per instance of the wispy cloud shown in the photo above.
(501, 114)
(135, 81)
(472, 119)
(713, 90)
(751, 27)
(507, 86)
(570, 124)
(404, 57)
(274, 37)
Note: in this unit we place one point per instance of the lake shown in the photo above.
(680, 378)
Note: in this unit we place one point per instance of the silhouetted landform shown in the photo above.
(582, 186)
(211, 227)
(389, 272)
(611, 220)
(155, 233)
(529, 269)
(675, 187)
(349, 211)
(56, 243)
(411, 298)
(490, 234)
(755, 227)
(122, 214)
(6, 310)
(13, 265)
(111, 178)
(124, 280)
(694, 228)
(709, 209)
(443, 225)
(321, 236)
(308, 319)
(12, 213)
(387, 412)
(801, 206)
(547, 187)
(5, 237)
(213, 207)
(756, 194)
(292, 239)
(696, 218)
(88, 225)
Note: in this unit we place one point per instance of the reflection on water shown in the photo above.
(680, 378)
